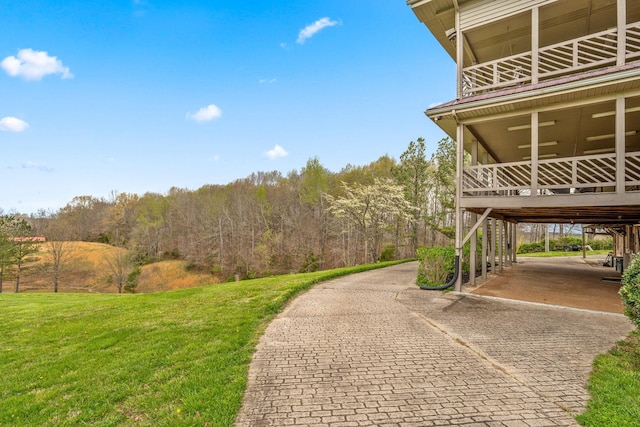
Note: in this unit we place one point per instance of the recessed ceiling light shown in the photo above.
(613, 113)
(528, 125)
(608, 136)
(540, 144)
(600, 151)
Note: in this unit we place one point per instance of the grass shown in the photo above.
(177, 358)
(615, 386)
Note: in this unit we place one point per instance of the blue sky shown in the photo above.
(143, 95)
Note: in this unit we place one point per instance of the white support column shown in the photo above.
(473, 244)
(459, 53)
(535, 37)
(534, 154)
(546, 237)
(499, 243)
(515, 242)
(492, 254)
(509, 243)
(620, 141)
(485, 246)
(459, 210)
(622, 32)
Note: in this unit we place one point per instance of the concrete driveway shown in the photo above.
(373, 350)
(568, 281)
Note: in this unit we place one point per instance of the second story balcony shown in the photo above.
(572, 56)
(501, 44)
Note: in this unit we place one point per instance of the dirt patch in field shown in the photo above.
(566, 281)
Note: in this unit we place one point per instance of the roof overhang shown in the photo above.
(439, 17)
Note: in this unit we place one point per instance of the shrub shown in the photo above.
(528, 248)
(388, 254)
(435, 265)
(311, 263)
(131, 282)
(630, 291)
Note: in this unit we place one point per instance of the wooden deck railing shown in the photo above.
(570, 175)
(583, 53)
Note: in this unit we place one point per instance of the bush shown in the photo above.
(571, 242)
(435, 265)
(630, 291)
(311, 263)
(388, 254)
(529, 248)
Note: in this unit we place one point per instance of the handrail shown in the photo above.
(590, 51)
(577, 173)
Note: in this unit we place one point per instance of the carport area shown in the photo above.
(571, 281)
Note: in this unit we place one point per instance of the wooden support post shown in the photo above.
(499, 243)
(535, 37)
(492, 251)
(534, 154)
(620, 142)
(515, 242)
(485, 246)
(459, 210)
(473, 244)
(622, 32)
(509, 255)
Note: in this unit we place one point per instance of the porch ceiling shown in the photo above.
(560, 20)
(605, 215)
(571, 129)
(568, 132)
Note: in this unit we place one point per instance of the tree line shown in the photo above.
(267, 223)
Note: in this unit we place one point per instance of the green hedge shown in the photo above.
(436, 264)
(630, 290)
(559, 244)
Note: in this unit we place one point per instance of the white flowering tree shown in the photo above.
(372, 209)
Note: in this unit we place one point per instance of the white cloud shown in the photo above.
(266, 81)
(276, 152)
(34, 65)
(12, 124)
(206, 114)
(311, 29)
(35, 165)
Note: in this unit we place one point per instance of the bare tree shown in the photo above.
(120, 266)
(59, 254)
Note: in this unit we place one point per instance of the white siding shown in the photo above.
(476, 13)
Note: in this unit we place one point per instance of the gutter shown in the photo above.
(549, 89)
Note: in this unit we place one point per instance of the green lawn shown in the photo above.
(615, 387)
(166, 359)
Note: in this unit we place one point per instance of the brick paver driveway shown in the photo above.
(373, 350)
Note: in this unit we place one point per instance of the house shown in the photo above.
(546, 114)
(30, 239)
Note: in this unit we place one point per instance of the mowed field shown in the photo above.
(86, 270)
(172, 358)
